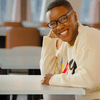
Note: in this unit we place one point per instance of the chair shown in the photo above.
(22, 37)
(95, 25)
(18, 37)
(11, 24)
(43, 24)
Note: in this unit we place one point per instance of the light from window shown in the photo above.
(3, 10)
(36, 6)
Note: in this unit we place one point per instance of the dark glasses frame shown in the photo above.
(56, 21)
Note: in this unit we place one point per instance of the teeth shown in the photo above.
(63, 33)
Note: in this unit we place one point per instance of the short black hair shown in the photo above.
(57, 3)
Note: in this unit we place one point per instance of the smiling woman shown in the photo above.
(79, 52)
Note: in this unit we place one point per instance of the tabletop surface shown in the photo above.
(31, 84)
(25, 57)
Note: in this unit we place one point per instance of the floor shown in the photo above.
(20, 97)
(24, 97)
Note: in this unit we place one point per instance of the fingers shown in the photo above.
(42, 81)
(52, 35)
(45, 79)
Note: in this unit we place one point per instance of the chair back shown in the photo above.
(22, 37)
(11, 24)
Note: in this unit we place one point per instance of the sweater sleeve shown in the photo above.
(86, 75)
(50, 57)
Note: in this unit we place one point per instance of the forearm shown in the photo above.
(49, 62)
(86, 74)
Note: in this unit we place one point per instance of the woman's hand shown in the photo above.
(52, 35)
(46, 79)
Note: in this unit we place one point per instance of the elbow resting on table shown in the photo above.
(93, 85)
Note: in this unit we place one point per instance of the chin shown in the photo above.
(66, 40)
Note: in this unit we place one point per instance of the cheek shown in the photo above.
(72, 26)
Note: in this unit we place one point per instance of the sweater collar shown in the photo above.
(80, 28)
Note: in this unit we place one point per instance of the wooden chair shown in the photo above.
(22, 37)
(17, 37)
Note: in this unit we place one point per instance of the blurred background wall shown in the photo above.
(38, 8)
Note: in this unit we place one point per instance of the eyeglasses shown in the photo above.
(61, 20)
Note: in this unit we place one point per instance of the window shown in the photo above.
(6, 10)
(3, 10)
(36, 6)
(6, 7)
(84, 12)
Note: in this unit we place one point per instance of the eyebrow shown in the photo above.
(58, 18)
(67, 13)
(62, 15)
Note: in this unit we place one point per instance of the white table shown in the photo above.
(26, 84)
(43, 31)
(25, 57)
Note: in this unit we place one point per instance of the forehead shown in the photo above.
(55, 13)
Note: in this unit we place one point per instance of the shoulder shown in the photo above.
(92, 32)
(88, 32)
(89, 38)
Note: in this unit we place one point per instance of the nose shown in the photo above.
(60, 26)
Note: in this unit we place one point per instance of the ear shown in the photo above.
(75, 16)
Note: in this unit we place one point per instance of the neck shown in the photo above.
(71, 43)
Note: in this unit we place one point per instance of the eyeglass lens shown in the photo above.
(62, 19)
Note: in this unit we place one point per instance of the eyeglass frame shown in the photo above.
(58, 19)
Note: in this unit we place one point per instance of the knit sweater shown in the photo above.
(81, 62)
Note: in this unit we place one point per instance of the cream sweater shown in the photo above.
(83, 69)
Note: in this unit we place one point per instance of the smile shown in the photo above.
(64, 33)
